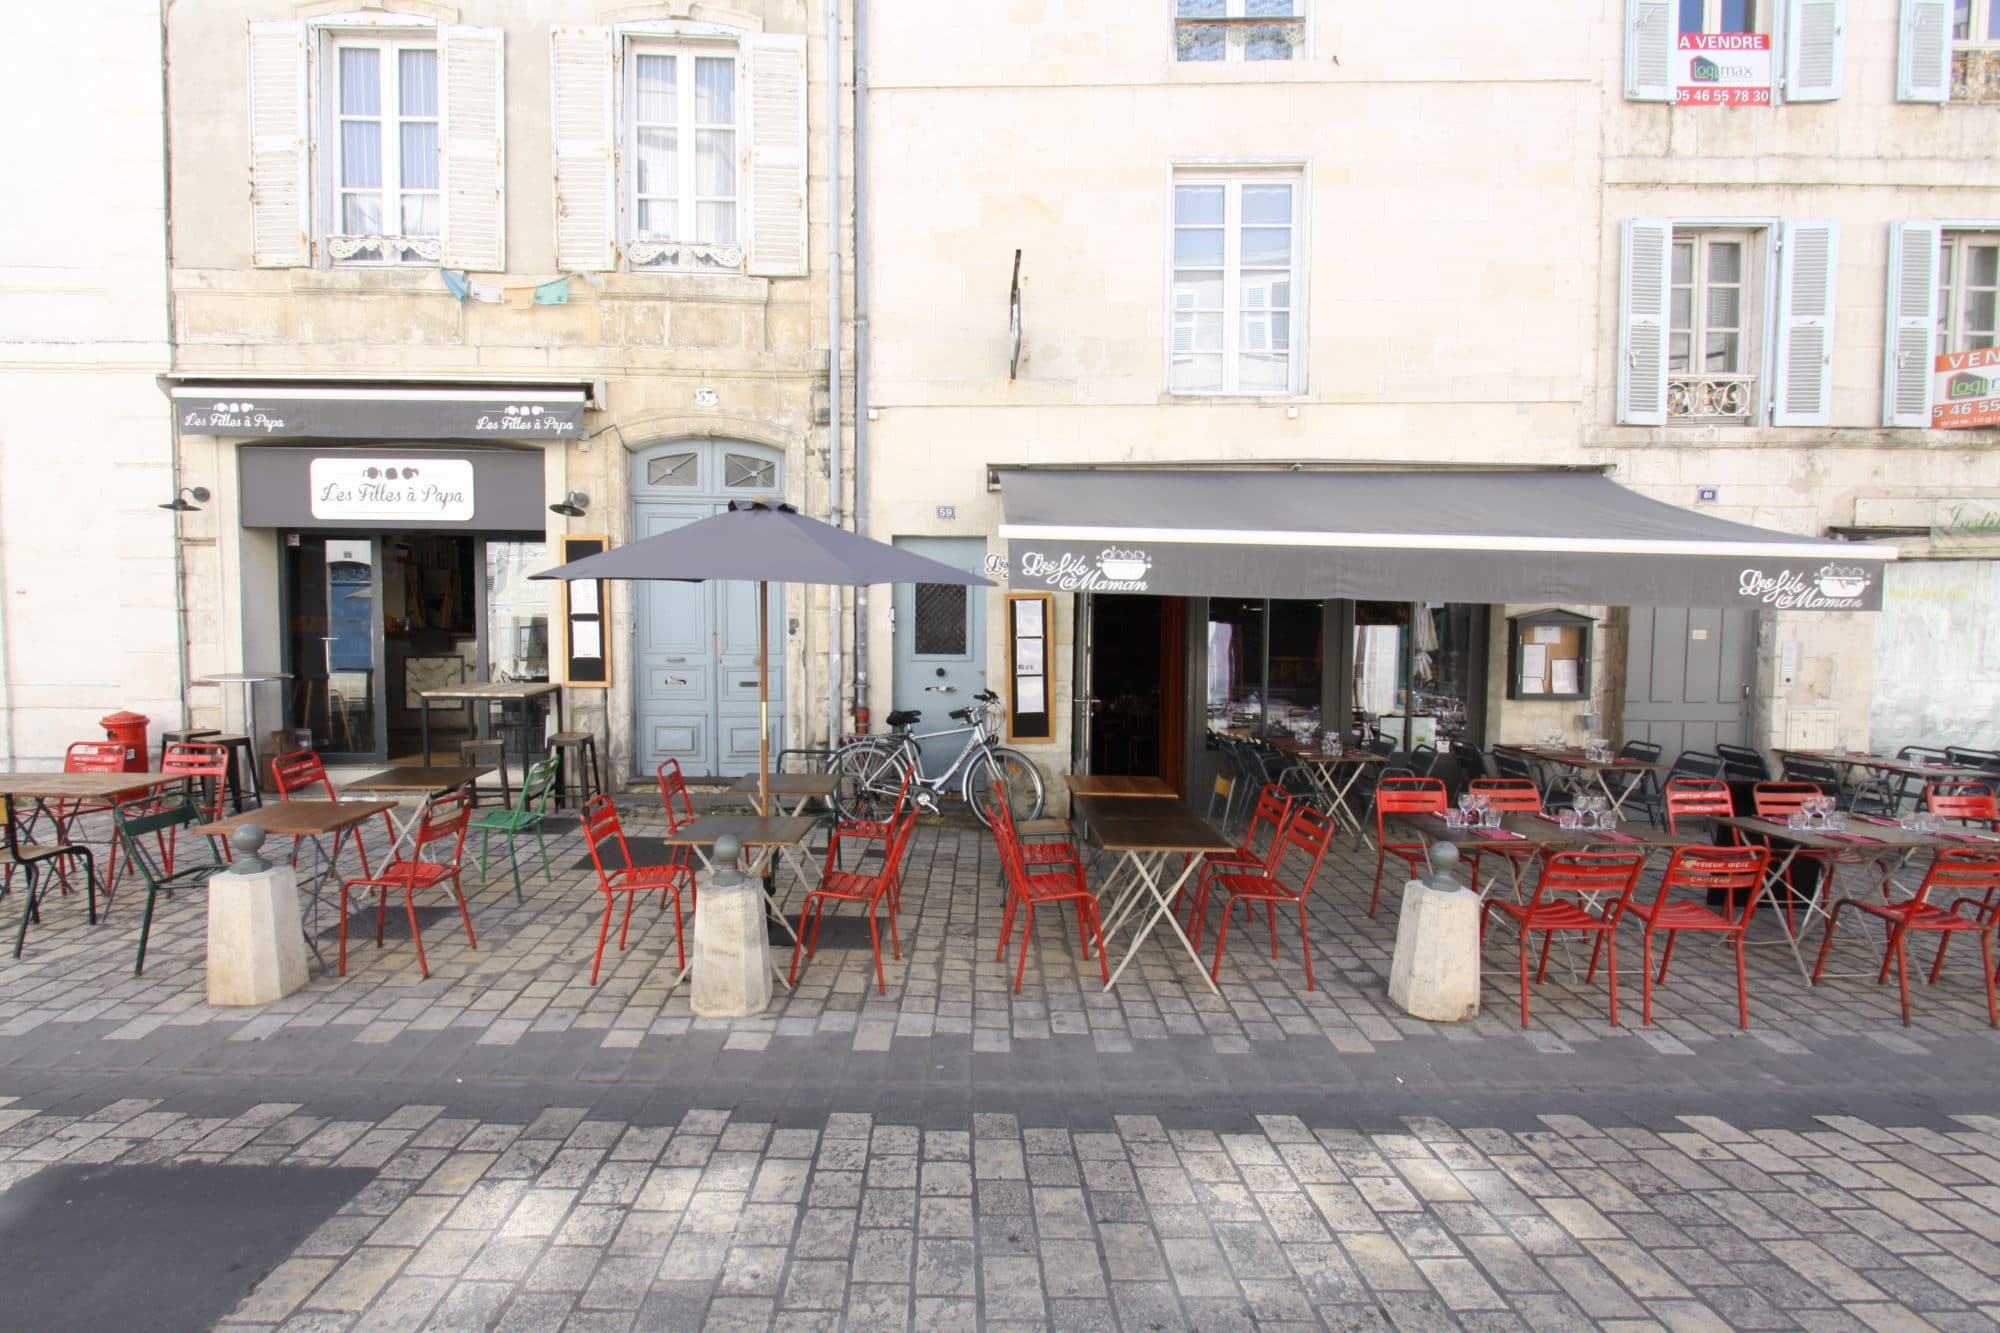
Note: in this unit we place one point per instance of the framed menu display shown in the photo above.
(586, 657)
(1030, 623)
(1548, 655)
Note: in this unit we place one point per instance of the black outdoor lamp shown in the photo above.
(571, 505)
(179, 504)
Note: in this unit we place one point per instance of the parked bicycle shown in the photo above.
(868, 771)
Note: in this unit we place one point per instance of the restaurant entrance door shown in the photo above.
(1688, 673)
(1137, 684)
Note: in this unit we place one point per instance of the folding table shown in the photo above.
(1144, 831)
(426, 780)
(782, 837)
(311, 820)
(1324, 768)
(41, 788)
(803, 787)
(1586, 772)
(488, 693)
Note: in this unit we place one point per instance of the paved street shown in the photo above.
(504, 1145)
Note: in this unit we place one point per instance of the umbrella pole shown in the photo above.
(763, 697)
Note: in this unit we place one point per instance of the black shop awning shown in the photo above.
(380, 412)
(1459, 536)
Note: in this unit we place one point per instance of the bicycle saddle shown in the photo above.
(904, 717)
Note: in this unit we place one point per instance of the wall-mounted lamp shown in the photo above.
(571, 505)
(179, 504)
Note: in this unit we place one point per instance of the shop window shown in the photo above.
(941, 623)
(744, 470)
(672, 470)
(1417, 671)
(1224, 30)
(517, 611)
(1265, 669)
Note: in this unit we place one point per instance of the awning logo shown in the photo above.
(1832, 587)
(1114, 569)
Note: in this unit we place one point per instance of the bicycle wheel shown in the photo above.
(1001, 769)
(866, 780)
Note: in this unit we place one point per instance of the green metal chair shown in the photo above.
(530, 808)
(164, 817)
(30, 858)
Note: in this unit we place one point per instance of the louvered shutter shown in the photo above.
(776, 177)
(1645, 253)
(1649, 50)
(582, 78)
(280, 164)
(1923, 53)
(474, 111)
(1807, 261)
(1815, 50)
(1910, 344)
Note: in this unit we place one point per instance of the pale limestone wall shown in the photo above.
(652, 340)
(86, 573)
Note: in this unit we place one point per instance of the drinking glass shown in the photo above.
(1566, 817)
(1836, 821)
(1465, 799)
(1798, 819)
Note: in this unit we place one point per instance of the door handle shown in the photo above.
(940, 689)
(676, 660)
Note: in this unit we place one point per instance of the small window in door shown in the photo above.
(671, 470)
(940, 630)
(739, 470)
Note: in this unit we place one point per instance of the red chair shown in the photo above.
(1696, 797)
(442, 821)
(1263, 842)
(207, 765)
(92, 757)
(1738, 874)
(672, 786)
(841, 886)
(1402, 796)
(1307, 831)
(1972, 802)
(1964, 870)
(1565, 891)
(1047, 885)
(302, 771)
(601, 827)
(1508, 796)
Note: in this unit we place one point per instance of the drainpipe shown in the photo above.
(833, 353)
(860, 341)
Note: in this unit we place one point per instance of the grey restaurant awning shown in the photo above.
(1444, 535)
(380, 412)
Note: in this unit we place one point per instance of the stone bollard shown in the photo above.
(256, 953)
(732, 949)
(1435, 975)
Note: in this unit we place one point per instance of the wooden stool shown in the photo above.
(473, 752)
(589, 779)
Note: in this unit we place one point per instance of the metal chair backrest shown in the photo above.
(1696, 796)
(443, 819)
(12, 842)
(1423, 758)
(900, 834)
(94, 757)
(1742, 763)
(1221, 793)
(1472, 762)
(601, 826)
(1964, 872)
(1382, 745)
(803, 761)
(1712, 870)
(191, 759)
(1646, 752)
(166, 814)
(1307, 831)
(1586, 875)
(672, 784)
(1966, 758)
(1268, 817)
(1820, 773)
(1962, 800)
(537, 785)
(1512, 766)
(1694, 764)
(301, 770)
(1509, 794)
(1929, 753)
(1406, 796)
(1776, 800)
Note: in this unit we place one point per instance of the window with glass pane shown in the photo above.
(1380, 689)
(682, 184)
(1236, 666)
(1230, 320)
(941, 627)
(1713, 16)
(1292, 695)
(1976, 22)
(671, 470)
(1711, 352)
(1969, 292)
(386, 175)
(517, 611)
(1221, 30)
(744, 470)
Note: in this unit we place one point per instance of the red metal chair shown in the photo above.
(1696, 797)
(1049, 884)
(1307, 831)
(91, 757)
(1402, 796)
(1738, 874)
(443, 821)
(600, 828)
(1963, 870)
(1262, 843)
(1776, 801)
(1972, 802)
(841, 886)
(204, 774)
(1509, 796)
(301, 771)
(1569, 884)
(672, 786)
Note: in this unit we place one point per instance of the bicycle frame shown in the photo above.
(905, 745)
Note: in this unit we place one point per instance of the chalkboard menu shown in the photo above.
(1030, 628)
(586, 618)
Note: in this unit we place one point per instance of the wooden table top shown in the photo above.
(1180, 830)
(1095, 808)
(1888, 837)
(417, 777)
(1573, 757)
(1543, 831)
(1328, 758)
(789, 784)
(492, 689)
(1906, 767)
(749, 830)
(1101, 784)
(299, 818)
(100, 786)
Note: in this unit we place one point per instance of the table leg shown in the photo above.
(1338, 792)
(1164, 908)
(424, 712)
(250, 737)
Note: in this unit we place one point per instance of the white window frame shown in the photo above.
(1753, 330)
(1951, 293)
(645, 255)
(390, 248)
(1232, 307)
(1984, 14)
(1237, 25)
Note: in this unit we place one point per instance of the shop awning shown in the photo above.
(1457, 536)
(380, 412)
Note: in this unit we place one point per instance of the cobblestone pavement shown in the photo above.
(952, 1153)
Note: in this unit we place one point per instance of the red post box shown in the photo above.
(128, 730)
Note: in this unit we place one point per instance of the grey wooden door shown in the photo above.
(1688, 674)
(940, 644)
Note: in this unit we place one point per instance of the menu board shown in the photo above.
(1030, 625)
(585, 605)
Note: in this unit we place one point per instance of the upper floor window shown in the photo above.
(1734, 53)
(680, 146)
(1939, 367)
(404, 124)
(1239, 30)
(1231, 318)
(1968, 291)
(1949, 51)
(1712, 336)
(1975, 22)
(1712, 16)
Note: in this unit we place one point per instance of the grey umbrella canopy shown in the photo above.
(765, 544)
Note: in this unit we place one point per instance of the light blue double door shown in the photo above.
(697, 642)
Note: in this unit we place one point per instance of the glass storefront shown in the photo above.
(1265, 669)
(1417, 672)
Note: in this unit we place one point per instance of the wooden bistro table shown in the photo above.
(1586, 772)
(1143, 831)
(41, 788)
(1106, 784)
(1520, 829)
(782, 837)
(311, 820)
(799, 787)
(488, 692)
(1325, 768)
(1899, 768)
(425, 780)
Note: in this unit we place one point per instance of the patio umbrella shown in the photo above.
(763, 543)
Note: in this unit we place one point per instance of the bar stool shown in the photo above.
(474, 752)
(181, 737)
(240, 763)
(588, 778)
